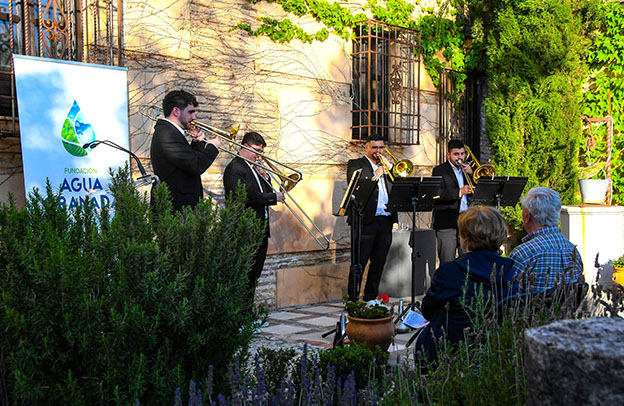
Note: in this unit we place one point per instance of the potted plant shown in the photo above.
(618, 270)
(594, 183)
(370, 323)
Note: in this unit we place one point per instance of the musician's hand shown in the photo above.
(197, 134)
(261, 171)
(465, 190)
(467, 169)
(215, 141)
(379, 171)
(281, 197)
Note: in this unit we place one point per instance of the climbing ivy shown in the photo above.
(440, 32)
(604, 90)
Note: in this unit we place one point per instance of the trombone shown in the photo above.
(468, 177)
(478, 170)
(401, 169)
(286, 182)
(286, 187)
(290, 181)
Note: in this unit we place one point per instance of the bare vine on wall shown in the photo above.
(237, 79)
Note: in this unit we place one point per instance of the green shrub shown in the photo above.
(354, 358)
(105, 307)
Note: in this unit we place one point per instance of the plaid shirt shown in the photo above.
(545, 257)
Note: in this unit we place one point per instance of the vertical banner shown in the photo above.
(63, 105)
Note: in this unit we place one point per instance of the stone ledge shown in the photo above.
(576, 362)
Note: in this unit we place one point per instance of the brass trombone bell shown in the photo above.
(402, 168)
(478, 170)
(288, 182)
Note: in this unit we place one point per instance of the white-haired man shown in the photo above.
(545, 258)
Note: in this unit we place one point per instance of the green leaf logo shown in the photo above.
(76, 132)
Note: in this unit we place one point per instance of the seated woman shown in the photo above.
(482, 230)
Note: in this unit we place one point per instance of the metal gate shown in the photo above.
(458, 113)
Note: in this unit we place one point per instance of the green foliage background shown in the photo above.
(108, 307)
(604, 90)
(535, 68)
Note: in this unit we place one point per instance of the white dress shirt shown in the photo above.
(382, 196)
(463, 199)
(255, 173)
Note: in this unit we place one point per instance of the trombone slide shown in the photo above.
(323, 244)
(467, 176)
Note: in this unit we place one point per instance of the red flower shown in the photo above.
(384, 298)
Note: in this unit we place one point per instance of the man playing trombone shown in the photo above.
(454, 192)
(260, 194)
(377, 222)
(176, 162)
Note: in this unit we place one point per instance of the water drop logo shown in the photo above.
(76, 131)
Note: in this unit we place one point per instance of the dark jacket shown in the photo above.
(367, 173)
(238, 170)
(472, 270)
(179, 164)
(446, 208)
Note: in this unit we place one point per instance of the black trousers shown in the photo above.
(375, 243)
(256, 268)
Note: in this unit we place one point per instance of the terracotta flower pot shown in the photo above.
(371, 332)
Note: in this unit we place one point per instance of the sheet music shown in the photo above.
(415, 320)
(350, 189)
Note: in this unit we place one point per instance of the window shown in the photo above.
(386, 83)
(58, 35)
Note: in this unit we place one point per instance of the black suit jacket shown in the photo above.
(446, 208)
(238, 170)
(367, 173)
(179, 164)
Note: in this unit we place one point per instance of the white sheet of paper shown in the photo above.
(415, 320)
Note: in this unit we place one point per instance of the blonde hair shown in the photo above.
(483, 228)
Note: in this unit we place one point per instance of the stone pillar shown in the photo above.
(576, 362)
(594, 229)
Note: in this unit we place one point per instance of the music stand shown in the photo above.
(413, 194)
(499, 191)
(354, 201)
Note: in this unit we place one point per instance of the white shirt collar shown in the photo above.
(373, 165)
(175, 125)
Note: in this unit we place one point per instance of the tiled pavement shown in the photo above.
(295, 326)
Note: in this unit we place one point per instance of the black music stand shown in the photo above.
(413, 194)
(354, 201)
(499, 191)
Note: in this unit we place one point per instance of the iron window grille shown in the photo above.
(74, 30)
(386, 82)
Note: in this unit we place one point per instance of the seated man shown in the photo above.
(545, 256)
